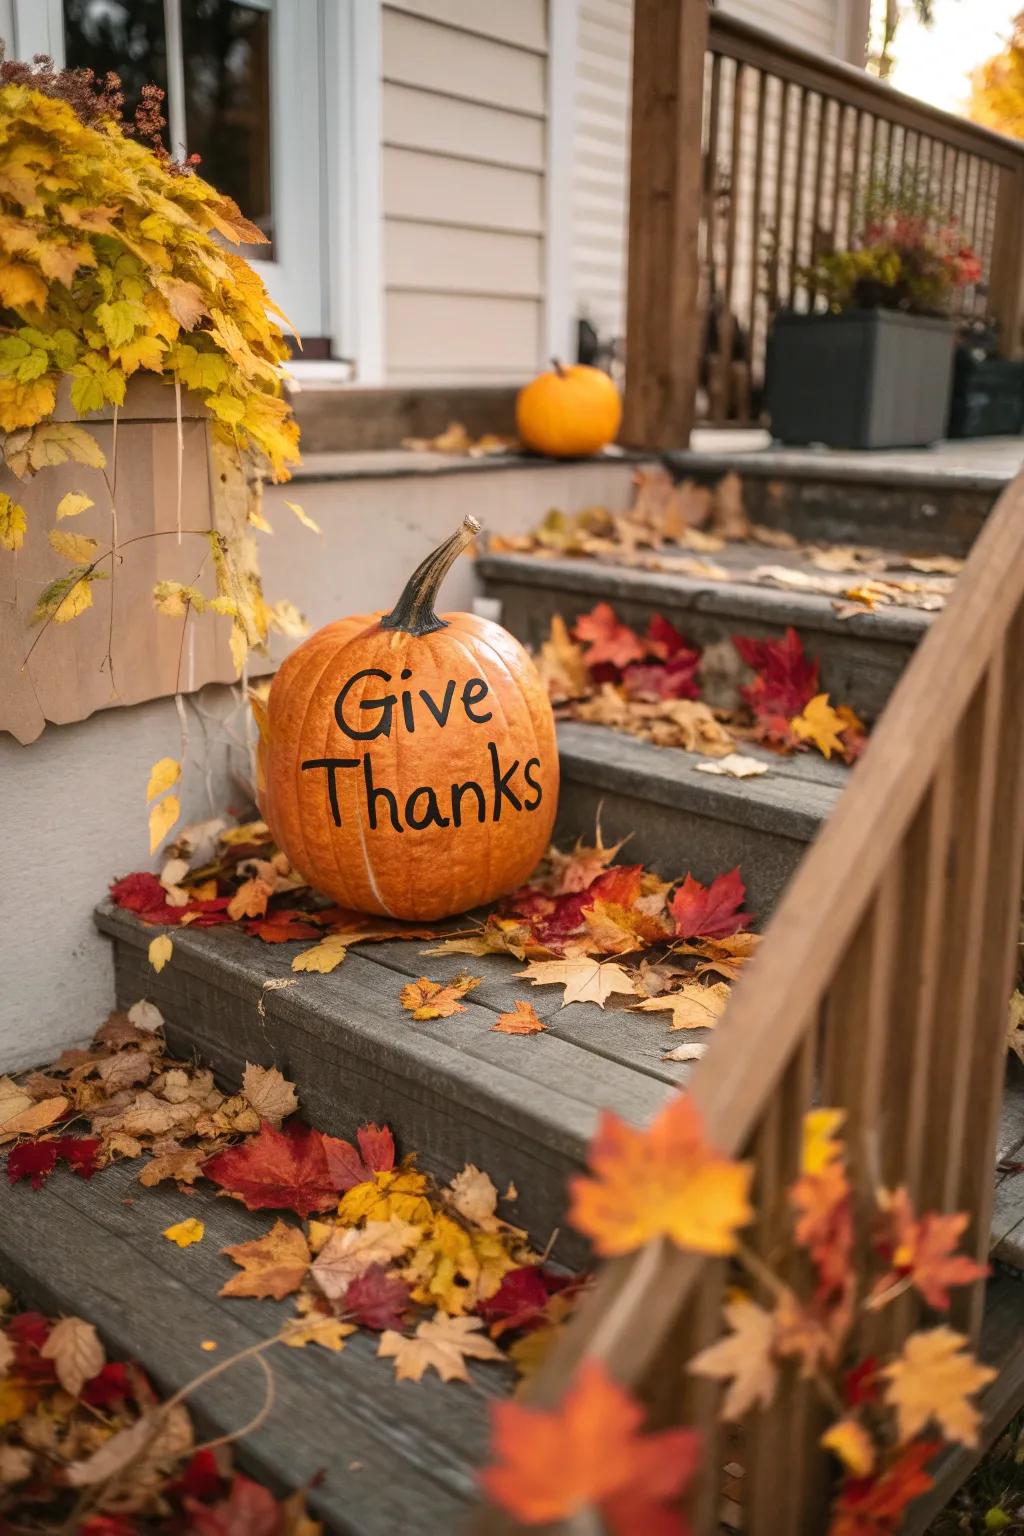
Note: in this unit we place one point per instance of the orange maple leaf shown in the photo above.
(662, 1181)
(427, 999)
(920, 1252)
(521, 1019)
(589, 1452)
(607, 640)
(823, 1201)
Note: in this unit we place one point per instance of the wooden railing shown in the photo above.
(881, 987)
(750, 158)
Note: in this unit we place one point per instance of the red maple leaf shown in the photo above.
(108, 1525)
(920, 1249)
(673, 679)
(28, 1332)
(554, 919)
(143, 894)
(248, 1510)
(282, 925)
(664, 640)
(521, 1299)
(277, 1170)
(874, 1506)
(608, 641)
(712, 911)
(589, 1452)
(347, 1167)
(377, 1299)
(200, 1479)
(786, 679)
(115, 1383)
(36, 1160)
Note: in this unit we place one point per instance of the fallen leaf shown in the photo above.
(7, 1353)
(269, 1092)
(734, 766)
(785, 679)
(274, 1265)
(744, 1358)
(694, 1006)
(77, 1354)
(710, 912)
(932, 1378)
(426, 999)
(27, 1122)
(350, 1251)
(160, 951)
(250, 900)
(474, 1195)
(145, 1015)
(521, 1019)
(377, 1299)
(584, 980)
(607, 640)
(184, 1233)
(329, 1332)
(349, 1167)
(685, 1053)
(820, 725)
(13, 1101)
(126, 1069)
(442, 1344)
(323, 957)
(155, 1439)
(588, 1454)
(276, 1170)
(665, 1180)
(164, 772)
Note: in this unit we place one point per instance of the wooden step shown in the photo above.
(680, 820)
(905, 501)
(380, 1458)
(861, 657)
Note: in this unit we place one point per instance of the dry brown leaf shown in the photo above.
(442, 1344)
(146, 1015)
(6, 1355)
(743, 1358)
(734, 766)
(351, 1250)
(685, 1053)
(156, 1438)
(13, 1101)
(36, 1118)
(126, 1069)
(270, 1094)
(521, 1019)
(728, 514)
(561, 666)
(426, 999)
(274, 1265)
(693, 1007)
(77, 1354)
(474, 1196)
(185, 1164)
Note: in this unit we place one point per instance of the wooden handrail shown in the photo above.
(926, 845)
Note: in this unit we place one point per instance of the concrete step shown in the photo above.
(861, 656)
(918, 502)
(377, 1458)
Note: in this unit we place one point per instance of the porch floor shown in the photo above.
(986, 461)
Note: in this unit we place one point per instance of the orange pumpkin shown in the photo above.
(569, 412)
(407, 763)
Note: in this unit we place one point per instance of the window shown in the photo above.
(213, 60)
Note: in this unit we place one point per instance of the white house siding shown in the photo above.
(464, 147)
(601, 150)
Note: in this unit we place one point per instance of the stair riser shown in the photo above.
(891, 512)
(858, 670)
(341, 1086)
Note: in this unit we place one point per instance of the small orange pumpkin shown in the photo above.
(568, 412)
(407, 763)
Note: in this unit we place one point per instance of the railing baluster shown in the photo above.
(858, 131)
(798, 196)
(837, 171)
(755, 223)
(727, 329)
(780, 184)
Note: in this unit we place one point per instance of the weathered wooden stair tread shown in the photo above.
(388, 1457)
(1008, 1211)
(861, 657)
(681, 820)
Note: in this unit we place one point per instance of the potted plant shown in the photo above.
(140, 394)
(874, 369)
(988, 390)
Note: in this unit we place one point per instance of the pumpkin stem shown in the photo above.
(414, 611)
(556, 364)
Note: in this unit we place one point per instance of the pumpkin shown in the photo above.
(407, 763)
(568, 412)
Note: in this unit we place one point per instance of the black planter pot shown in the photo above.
(988, 396)
(867, 378)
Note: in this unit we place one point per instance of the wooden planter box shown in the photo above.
(68, 676)
(875, 378)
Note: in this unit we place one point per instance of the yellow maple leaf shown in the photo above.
(13, 523)
(820, 725)
(397, 1193)
(849, 1440)
(821, 1146)
(303, 517)
(584, 980)
(161, 819)
(21, 286)
(73, 546)
(933, 1378)
(71, 504)
(426, 999)
(442, 1344)
(694, 1006)
(164, 772)
(662, 1181)
(520, 1019)
(323, 957)
(329, 1332)
(744, 1358)
(184, 1233)
(160, 951)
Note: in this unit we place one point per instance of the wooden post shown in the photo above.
(663, 332)
(1006, 285)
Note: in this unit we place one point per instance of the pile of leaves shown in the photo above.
(887, 1417)
(594, 927)
(650, 685)
(86, 1445)
(667, 518)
